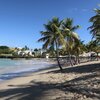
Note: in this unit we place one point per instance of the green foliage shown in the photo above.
(70, 36)
(59, 33)
(93, 46)
(52, 35)
(4, 47)
(35, 49)
(95, 28)
(5, 50)
(79, 47)
(25, 48)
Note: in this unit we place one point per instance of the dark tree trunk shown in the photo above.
(59, 64)
(57, 56)
(70, 59)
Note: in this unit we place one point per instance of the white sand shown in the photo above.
(74, 83)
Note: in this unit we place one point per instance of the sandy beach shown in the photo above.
(81, 82)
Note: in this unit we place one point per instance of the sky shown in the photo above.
(22, 20)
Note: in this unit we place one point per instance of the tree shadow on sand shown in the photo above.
(87, 85)
(81, 69)
(35, 91)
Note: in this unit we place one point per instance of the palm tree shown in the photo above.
(25, 48)
(78, 48)
(70, 36)
(94, 46)
(51, 51)
(95, 28)
(53, 37)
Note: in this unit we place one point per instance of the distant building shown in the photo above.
(25, 53)
(88, 54)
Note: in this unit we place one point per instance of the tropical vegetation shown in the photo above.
(59, 34)
(95, 27)
(53, 37)
(5, 50)
(60, 38)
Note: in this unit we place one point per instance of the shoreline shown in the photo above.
(25, 73)
(29, 74)
(50, 84)
(45, 70)
(13, 68)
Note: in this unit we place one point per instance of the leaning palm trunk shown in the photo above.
(57, 56)
(59, 63)
(70, 59)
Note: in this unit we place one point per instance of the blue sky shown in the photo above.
(22, 20)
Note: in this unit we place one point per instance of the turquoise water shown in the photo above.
(6, 62)
(14, 68)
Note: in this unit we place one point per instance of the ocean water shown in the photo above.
(15, 68)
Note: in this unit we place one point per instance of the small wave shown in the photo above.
(21, 67)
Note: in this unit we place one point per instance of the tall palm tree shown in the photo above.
(52, 36)
(95, 28)
(70, 36)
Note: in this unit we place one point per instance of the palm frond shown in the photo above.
(95, 28)
(43, 39)
(46, 44)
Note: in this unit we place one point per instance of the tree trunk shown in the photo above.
(57, 56)
(59, 63)
(78, 59)
(74, 61)
(70, 58)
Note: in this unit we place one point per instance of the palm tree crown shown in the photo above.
(68, 31)
(59, 34)
(95, 28)
(52, 35)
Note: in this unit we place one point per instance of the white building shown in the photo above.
(26, 52)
